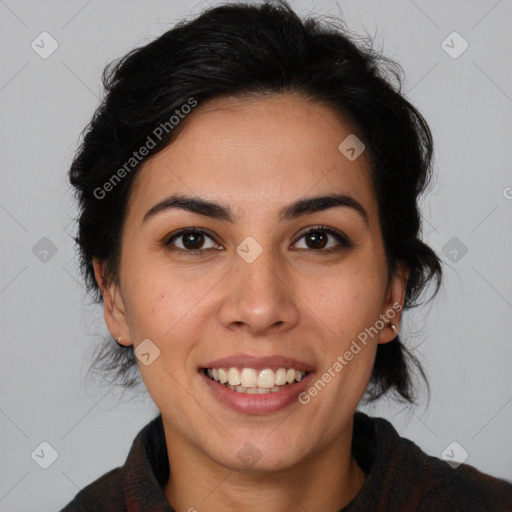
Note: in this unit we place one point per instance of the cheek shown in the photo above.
(167, 307)
(159, 304)
(349, 301)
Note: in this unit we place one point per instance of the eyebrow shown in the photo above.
(219, 211)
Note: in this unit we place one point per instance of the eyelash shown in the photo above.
(344, 241)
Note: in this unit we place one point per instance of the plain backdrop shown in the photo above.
(464, 337)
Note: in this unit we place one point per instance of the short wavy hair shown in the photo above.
(248, 50)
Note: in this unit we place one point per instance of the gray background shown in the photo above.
(48, 330)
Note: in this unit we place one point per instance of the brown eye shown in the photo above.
(318, 238)
(192, 240)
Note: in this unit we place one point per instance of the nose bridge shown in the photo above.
(257, 268)
(258, 295)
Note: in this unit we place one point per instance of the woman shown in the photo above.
(249, 218)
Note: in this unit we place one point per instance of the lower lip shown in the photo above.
(257, 404)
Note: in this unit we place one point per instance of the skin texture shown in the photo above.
(255, 156)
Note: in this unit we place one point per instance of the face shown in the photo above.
(255, 281)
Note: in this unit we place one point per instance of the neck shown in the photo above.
(327, 481)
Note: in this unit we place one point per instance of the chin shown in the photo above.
(257, 457)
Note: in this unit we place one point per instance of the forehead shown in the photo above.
(264, 152)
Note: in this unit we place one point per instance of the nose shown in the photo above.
(259, 296)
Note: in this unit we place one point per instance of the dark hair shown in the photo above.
(243, 50)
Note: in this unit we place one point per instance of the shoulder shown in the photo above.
(465, 488)
(103, 494)
(404, 477)
(138, 483)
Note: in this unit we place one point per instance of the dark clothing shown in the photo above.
(400, 477)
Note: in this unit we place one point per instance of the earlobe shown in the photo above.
(393, 307)
(113, 307)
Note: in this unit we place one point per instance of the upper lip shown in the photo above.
(258, 363)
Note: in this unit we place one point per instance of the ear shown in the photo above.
(394, 304)
(113, 306)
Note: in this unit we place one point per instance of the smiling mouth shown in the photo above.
(255, 382)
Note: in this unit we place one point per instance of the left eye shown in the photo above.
(318, 237)
(193, 239)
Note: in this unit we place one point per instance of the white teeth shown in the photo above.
(234, 377)
(249, 378)
(223, 376)
(266, 378)
(281, 377)
(251, 381)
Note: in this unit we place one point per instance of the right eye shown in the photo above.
(192, 241)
